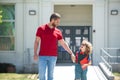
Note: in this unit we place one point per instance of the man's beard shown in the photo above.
(54, 25)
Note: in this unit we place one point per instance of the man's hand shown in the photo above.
(73, 58)
(35, 57)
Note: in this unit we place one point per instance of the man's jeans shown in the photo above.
(46, 62)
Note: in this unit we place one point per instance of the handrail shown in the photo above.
(110, 67)
(106, 52)
(111, 48)
(109, 54)
(107, 58)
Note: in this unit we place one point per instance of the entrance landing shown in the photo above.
(66, 72)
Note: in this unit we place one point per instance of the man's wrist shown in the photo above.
(71, 54)
(35, 54)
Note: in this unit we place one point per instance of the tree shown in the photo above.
(7, 27)
(0, 16)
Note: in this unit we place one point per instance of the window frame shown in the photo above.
(14, 35)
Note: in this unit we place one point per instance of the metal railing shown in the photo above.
(110, 56)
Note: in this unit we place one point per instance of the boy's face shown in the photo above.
(83, 47)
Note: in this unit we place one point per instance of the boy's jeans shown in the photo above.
(79, 73)
(46, 62)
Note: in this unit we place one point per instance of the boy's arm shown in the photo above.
(90, 62)
(84, 66)
(89, 58)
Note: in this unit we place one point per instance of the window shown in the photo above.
(7, 28)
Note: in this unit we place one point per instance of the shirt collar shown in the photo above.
(47, 26)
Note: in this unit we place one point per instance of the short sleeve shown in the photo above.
(39, 32)
(60, 36)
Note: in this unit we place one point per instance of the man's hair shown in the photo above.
(55, 16)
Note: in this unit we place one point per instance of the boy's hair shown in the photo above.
(55, 16)
(88, 46)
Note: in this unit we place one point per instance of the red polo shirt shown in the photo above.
(49, 40)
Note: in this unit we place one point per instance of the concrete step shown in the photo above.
(106, 71)
(100, 75)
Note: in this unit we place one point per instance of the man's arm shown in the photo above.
(66, 47)
(36, 45)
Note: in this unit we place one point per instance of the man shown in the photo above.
(48, 37)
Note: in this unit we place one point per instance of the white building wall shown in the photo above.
(46, 11)
(114, 25)
(98, 26)
(30, 23)
(19, 37)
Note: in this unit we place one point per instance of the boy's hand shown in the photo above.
(84, 66)
(73, 58)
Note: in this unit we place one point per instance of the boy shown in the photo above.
(82, 60)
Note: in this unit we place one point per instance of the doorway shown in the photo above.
(76, 25)
(73, 35)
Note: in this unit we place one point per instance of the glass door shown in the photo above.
(73, 35)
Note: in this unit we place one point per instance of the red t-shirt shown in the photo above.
(49, 40)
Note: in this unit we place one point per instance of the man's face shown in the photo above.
(55, 22)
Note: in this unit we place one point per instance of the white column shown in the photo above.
(47, 10)
(31, 23)
(99, 27)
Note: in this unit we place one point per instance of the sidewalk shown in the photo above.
(66, 72)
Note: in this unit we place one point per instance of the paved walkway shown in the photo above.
(66, 72)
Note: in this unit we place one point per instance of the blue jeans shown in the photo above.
(79, 73)
(46, 62)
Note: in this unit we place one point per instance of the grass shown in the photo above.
(117, 75)
(15, 76)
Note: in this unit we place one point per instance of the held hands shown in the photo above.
(73, 58)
